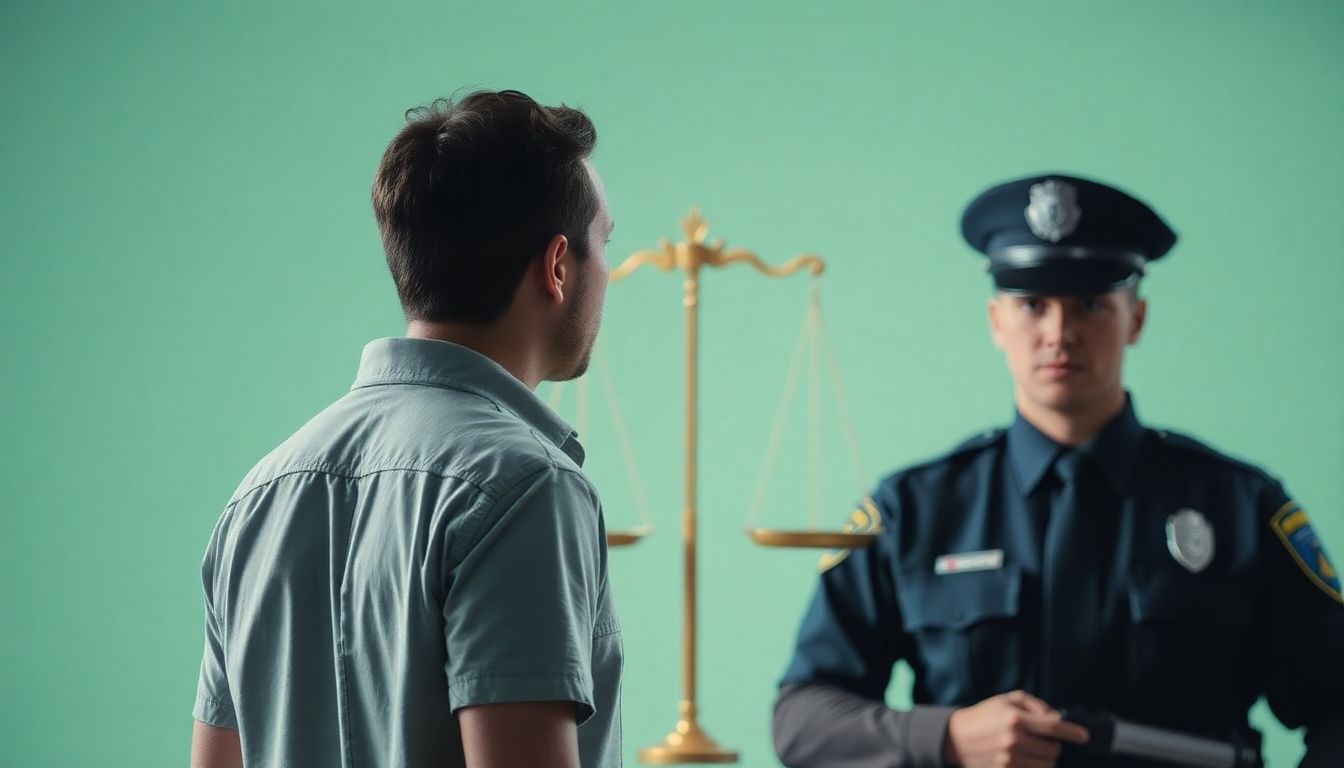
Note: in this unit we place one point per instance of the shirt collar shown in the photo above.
(430, 362)
(1115, 447)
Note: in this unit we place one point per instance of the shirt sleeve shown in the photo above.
(520, 606)
(1303, 630)
(214, 701)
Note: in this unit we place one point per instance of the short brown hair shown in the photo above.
(470, 191)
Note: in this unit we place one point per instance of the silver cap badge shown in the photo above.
(1190, 539)
(1053, 213)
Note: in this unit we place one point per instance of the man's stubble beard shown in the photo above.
(572, 344)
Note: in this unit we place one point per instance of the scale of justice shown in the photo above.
(688, 742)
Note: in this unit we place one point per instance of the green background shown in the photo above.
(190, 270)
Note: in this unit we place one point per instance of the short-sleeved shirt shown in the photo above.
(1211, 589)
(426, 543)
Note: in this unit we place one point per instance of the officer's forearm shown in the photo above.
(822, 725)
(1325, 742)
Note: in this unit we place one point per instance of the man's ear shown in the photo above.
(553, 272)
(992, 310)
(1140, 316)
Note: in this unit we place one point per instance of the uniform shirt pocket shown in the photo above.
(965, 632)
(1192, 642)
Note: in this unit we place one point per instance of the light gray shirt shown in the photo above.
(426, 543)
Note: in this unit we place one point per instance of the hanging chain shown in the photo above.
(623, 442)
(777, 430)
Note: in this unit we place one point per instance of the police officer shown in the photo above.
(1074, 559)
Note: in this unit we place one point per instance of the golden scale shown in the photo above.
(688, 742)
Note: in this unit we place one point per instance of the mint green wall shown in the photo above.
(190, 269)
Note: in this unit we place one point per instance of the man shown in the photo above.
(1075, 559)
(418, 576)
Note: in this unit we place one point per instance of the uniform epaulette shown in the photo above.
(1192, 445)
(982, 440)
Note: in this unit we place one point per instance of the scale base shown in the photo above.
(687, 743)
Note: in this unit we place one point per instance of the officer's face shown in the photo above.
(1065, 353)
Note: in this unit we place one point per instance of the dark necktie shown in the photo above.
(1072, 570)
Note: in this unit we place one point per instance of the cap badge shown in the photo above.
(1053, 213)
(1190, 539)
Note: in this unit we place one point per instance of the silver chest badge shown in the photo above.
(1053, 213)
(1190, 539)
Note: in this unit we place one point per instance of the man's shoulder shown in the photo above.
(451, 434)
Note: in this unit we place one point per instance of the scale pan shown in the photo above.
(626, 538)
(811, 539)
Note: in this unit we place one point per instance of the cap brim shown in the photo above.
(1064, 279)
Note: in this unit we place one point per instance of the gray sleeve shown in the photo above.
(822, 725)
(1325, 743)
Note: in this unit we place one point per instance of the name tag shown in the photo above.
(987, 560)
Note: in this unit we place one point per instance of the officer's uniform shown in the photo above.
(1142, 573)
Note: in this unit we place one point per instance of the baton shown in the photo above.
(1110, 735)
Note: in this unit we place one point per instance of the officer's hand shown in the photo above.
(1011, 729)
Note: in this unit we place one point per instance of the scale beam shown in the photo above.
(693, 253)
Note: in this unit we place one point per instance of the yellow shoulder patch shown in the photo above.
(1293, 528)
(864, 519)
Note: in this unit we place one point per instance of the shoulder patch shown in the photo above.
(864, 519)
(1293, 528)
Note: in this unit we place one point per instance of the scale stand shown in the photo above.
(688, 742)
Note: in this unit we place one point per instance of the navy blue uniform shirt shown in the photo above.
(1204, 585)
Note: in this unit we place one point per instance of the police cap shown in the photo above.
(1064, 235)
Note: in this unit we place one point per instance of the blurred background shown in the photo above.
(189, 269)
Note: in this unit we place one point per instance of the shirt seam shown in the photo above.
(317, 469)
